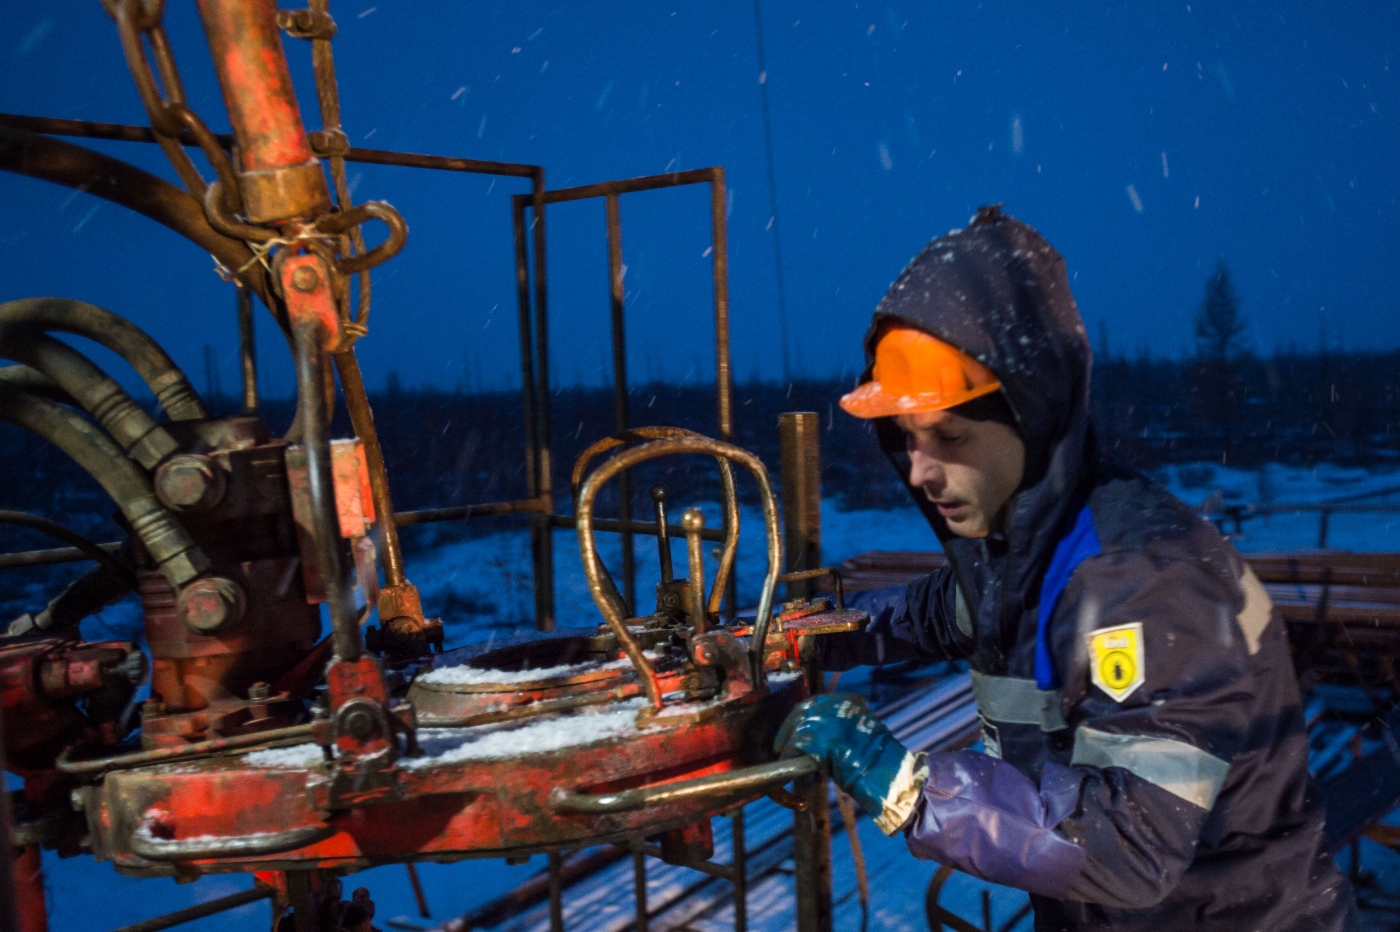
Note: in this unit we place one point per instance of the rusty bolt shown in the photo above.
(259, 692)
(360, 724)
(305, 279)
(207, 605)
(189, 482)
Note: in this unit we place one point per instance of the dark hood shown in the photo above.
(998, 292)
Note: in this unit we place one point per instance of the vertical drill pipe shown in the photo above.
(330, 558)
(544, 586)
(257, 85)
(799, 434)
(247, 350)
(620, 413)
(352, 383)
(720, 266)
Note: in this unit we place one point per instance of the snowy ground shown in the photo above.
(483, 589)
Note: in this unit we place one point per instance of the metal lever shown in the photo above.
(663, 534)
(146, 845)
(694, 523)
(716, 785)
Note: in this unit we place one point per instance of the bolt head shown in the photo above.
(211, 604)
(189, 482)
(360, 724)
(259, 692)
(306, 279)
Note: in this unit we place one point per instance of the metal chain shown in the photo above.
(337, 236)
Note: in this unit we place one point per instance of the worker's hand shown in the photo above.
(859, 753)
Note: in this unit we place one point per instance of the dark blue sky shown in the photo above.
(1146, 141)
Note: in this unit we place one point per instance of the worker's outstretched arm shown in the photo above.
(919, 621)
(1119, 825)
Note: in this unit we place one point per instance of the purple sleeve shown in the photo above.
(984, 817)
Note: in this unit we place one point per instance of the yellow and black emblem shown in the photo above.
(1116, 662)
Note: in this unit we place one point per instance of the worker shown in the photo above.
(1144, 759)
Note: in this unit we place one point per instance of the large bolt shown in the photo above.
(305, 279)
(360, 724)
(189, 482)
(208, 605)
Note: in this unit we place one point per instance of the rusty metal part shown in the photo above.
(166, 381)
(41, 677)
(593, 565)
(278, 177)
(113, 180)
(719, 786)
(265, 739)
(212, 604)
(362, 420)
(9, 901)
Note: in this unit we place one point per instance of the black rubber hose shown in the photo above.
(64, 163)
(73, 539)
(312, 368)
(35, 382)
(172, 549)
(97, 393)
(169, 384)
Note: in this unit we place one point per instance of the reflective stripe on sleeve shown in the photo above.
(1175, 766)
(1016, 701)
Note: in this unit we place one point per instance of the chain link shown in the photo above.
(336, 236)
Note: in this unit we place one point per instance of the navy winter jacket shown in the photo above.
(1146, 764)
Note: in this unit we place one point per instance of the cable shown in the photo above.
(71, 538)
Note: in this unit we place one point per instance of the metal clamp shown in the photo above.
(718, 786)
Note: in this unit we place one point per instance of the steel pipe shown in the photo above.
(716, 785)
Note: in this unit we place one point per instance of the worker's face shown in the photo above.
(968, 469)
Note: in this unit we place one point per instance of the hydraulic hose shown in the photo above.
(64, 163)
(169, 384)
(98, 394)
(175, 554)
(312, 369)
(88, 594)
(35, 382)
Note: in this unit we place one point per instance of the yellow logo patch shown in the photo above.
(1116, 663)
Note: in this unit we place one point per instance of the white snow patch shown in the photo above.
(464, 675)
(451, 745)
(296, 757)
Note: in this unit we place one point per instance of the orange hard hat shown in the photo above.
(914, 373)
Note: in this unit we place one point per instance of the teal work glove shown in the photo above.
(859, 753)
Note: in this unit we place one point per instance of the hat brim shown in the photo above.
(871, 400)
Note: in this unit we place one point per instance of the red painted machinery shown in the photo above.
(265, 747)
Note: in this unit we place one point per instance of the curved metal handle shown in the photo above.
(718, 785)
(730, 550)
(593, 564)
(145, 844)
